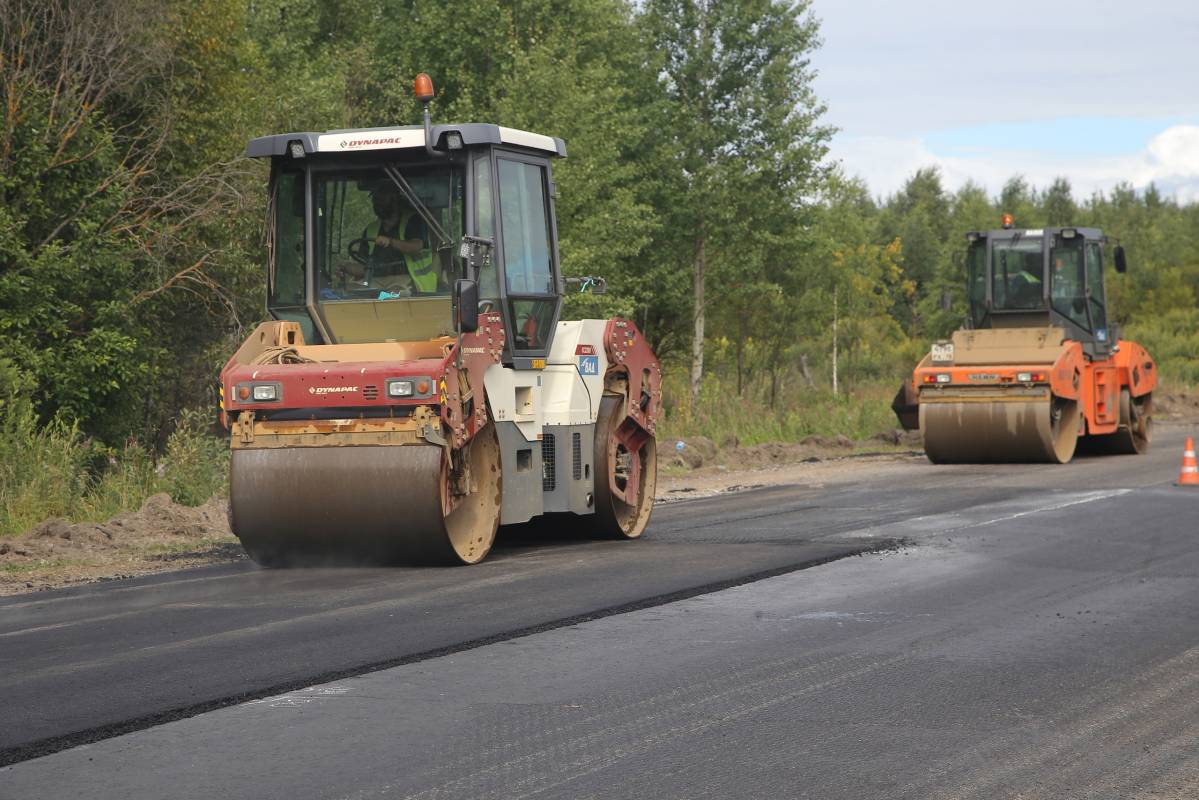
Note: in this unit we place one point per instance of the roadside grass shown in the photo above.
(53, 470)
(726, 417)
(13, 569)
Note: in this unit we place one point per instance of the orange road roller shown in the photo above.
(1039, 370)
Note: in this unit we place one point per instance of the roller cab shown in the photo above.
(1039, 370)
(415, 388)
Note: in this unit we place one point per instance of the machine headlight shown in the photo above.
(264, 392)
(943, 378)
(399, 389)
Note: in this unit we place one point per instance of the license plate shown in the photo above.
(942, 351)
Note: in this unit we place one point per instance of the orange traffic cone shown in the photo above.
(1190, 470)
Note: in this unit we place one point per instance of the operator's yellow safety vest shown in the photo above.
(420, 265)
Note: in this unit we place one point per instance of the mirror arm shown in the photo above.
(596, 284)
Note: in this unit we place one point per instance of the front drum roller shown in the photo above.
(614, 464)
(365, 504)
(978, 429)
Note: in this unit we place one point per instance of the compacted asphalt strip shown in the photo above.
(88, 664)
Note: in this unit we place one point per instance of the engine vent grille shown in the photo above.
(576, 456)
(548, 472)
(370, 392)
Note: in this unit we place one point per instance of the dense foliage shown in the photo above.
(697, 183)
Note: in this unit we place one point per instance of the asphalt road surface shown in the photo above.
(1035, 633)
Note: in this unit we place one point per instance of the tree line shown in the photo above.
(698, 183)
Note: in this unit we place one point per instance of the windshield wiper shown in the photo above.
(443, 238)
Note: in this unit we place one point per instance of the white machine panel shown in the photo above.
(566, 392)
(516, 397)
(578, 351)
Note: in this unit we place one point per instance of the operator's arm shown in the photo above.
(406, 246)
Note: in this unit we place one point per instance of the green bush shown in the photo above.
(798, 411)
(196, 465)
(52, 470)
(1172, 339)
(42, 468)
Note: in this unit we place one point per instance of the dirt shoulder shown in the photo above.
(160, 536)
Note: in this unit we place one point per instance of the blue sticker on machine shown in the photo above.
(589, 365)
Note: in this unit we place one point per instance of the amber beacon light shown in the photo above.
(422, 87)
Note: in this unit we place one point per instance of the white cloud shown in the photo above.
(1170, 160)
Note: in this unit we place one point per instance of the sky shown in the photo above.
(1097, 92)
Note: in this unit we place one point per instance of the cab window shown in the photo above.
(976, 263)
(1095, 289)
(526, 228)
(489, 288)
(1017, 273)
(1066, 280)
(528, 255)
(286, 278)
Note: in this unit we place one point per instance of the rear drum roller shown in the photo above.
(973, 430)
(614, 463)
(396, 504)
(1135, 431)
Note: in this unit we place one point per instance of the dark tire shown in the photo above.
(613, 517)
(1135, 433)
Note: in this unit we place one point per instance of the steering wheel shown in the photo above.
(360, 250)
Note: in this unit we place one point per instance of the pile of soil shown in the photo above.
(159, 536)
(1180, 406)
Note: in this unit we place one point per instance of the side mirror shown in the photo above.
(466, 305)
(1121, 262)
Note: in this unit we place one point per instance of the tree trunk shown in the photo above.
(806, 371)
(742, 335)
(697, 340)
(834, 341)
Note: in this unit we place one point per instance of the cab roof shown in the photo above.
(1013, 233)
(402, 138)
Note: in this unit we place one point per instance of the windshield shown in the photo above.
(1017, 274)
(385, 268)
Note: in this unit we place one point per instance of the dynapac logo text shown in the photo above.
(372, 142)
(331, 389)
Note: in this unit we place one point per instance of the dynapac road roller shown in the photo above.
(415, 387)
(1039, 367)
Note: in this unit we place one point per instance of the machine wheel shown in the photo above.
(366, 505)
(471, 526)
(613, 516)
(1135, 431)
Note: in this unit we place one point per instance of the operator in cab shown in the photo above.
(400, 258)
